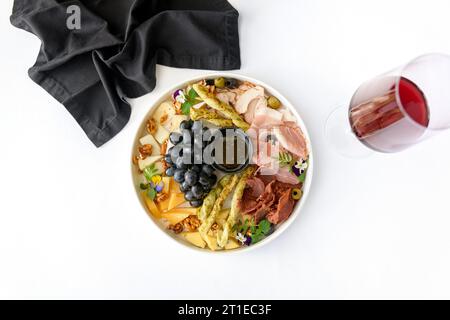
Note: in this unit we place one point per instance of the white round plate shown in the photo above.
(306, 187)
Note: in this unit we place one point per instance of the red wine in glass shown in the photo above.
(389, 113)
(394, 111)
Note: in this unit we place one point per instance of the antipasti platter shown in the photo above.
(222, 163)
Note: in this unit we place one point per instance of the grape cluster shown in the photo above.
(195, 180)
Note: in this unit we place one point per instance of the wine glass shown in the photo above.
(395, 110)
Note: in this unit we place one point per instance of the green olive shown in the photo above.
(297, 194)
(219, 82)
(273, 102)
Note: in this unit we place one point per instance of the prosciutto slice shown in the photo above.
(283, 209)
(291, 138)
(271, 132)
(257, 186)
(265, 197)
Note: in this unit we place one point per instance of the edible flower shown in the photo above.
(300, 167)
(241, 238)
(179, 96)
(159, 188)
(156, 179)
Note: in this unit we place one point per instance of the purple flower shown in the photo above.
(299, 167)
(159, 187)
(179, 96)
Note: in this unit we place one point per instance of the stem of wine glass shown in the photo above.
(341, 138)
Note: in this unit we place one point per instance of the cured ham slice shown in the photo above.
(265, 197)
(245, 99)
(256, 104)
(256, 185)
(291, 138)
(283, 210)
(267, 118)
(288, 116)
(286, 176)
(228, 97)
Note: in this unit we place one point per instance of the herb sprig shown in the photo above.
(285, 159)
(191, 100)
(260, 231)
(257, 232)
(149, 172)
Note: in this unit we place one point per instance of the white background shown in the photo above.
(71, 226)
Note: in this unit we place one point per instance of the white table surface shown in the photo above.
(71, 227)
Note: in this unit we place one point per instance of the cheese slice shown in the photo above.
(232, 244)
(175, 121)
(164, 112)
(176, 199)
(151, 206)
(149, 161)
(166, 181)
(212, 243)
(189, 211)
(161, 135)
(195, 238)
(149, 139)
(174, 218)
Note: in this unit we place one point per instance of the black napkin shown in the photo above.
(113, 55)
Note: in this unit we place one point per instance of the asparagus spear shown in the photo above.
(222, 238)
(227, 110)
(202, 113)
(221, 123)
(208, 202)
(221, 197)
(211, 117)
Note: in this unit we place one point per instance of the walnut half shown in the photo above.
(152, 126)
(161, 197)
(145, 151)
(191, 223)
(177, 228)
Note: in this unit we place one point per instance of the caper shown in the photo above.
(273, 102)
(219, 82)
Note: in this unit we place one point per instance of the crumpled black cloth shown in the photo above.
(113, 56)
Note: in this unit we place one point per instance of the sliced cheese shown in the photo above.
(175, 121)
(164, 112)
(212, 243)
(189, 211)
(149, 139)
(194, 238)
(151, 206)
(163, 205)
(149, 161)
(174, 218)
(174, 186)
(166, 181)
(232, 244)
(161, 135)
(176, 199)
(160, 167)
